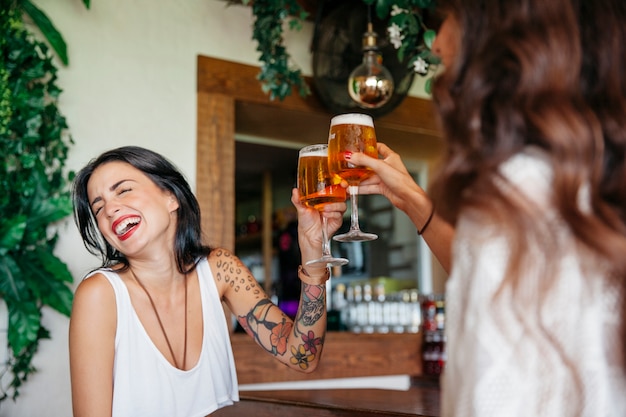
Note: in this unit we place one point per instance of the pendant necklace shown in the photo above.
(156, 313)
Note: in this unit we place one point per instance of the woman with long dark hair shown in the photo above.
(148, 335)
(530, 206)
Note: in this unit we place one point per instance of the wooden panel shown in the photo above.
(215, 172)
(262, 120)
(414, 116)
(266, 244)
(240, 82)
(269, 408)
(345, 355)
(419, 400)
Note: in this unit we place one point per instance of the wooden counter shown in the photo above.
(420, 400)
(345, 355)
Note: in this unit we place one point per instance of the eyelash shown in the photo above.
(120, 192)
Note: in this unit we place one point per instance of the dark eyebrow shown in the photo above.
(111, 188)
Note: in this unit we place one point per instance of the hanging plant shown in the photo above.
(33, 187)
(279, 76)
(409, 34)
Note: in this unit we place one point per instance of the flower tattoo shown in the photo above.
(300, 357)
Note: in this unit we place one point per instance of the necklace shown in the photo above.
(156, 313)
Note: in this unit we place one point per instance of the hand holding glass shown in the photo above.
(352, 132)
(317, 189)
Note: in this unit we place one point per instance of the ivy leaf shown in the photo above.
(24, 324)
(11, 287)
(47, 276)
(428, 86)
(49, 211)
(413, 24)
(48, 29)
(382, 8)
(59, 297)
(54, 266)
(13, 234)
(429, 38)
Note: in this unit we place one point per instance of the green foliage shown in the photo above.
(416, 39)
(33, 186)
(49, 31)
(278, 75)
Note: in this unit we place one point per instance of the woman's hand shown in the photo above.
(392, 179)
(310, 226)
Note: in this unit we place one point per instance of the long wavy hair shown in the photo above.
(548, 73)
(188, 247)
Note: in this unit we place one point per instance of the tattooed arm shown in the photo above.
(297, 343)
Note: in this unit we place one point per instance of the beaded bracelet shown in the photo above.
(307, 279)
(430, 216)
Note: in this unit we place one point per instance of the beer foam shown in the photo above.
(352, 118)
(314, 150)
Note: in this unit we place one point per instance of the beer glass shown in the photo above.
(353, 132)
(317, 188)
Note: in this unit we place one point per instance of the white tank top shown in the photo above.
(145, 384)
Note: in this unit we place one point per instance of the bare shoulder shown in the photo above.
(93, 321)
(94, 294)
(96, 286)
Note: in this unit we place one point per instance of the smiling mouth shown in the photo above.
(125, 225)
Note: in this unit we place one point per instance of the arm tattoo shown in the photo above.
(231, 271)
(269, 335)
(312, 304)
(273, 336)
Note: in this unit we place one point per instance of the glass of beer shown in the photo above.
(318, 188)
(352, 132)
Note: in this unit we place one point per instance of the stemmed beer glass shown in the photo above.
(353, 132)
(317, 189)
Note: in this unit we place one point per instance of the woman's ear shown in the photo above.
(172, 202)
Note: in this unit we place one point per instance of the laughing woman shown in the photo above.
(148, 335)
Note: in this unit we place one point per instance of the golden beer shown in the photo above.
(317, 188)
(315, 183)
(354, 133)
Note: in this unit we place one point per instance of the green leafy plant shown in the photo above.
(278, 74)
(33, 186)
(409, 34)
(407, 31)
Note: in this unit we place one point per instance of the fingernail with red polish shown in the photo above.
(347, 155)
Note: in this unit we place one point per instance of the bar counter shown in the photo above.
(346, 355)
(419, 400)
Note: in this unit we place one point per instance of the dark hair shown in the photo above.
(188, 245)
(544, 73)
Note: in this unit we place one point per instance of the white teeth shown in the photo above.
(123, 226)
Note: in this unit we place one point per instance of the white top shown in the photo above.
(530, 356)
(145, 384)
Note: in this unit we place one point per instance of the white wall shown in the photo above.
(131, 81)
